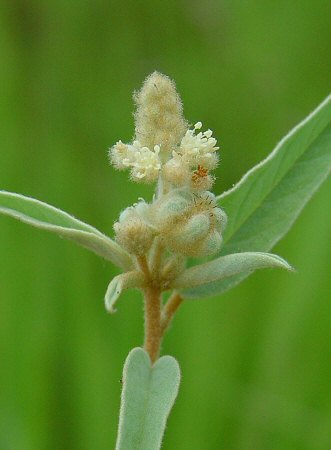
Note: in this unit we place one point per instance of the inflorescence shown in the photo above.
(183, 216)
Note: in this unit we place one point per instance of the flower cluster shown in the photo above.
(189, 163)
(192, 160)
(186, 224)
(189, 224)
(199, 149)
(145, 164)
(183, 216)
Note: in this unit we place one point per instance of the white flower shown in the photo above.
(199, 149)
(145, 164)
(195, 151)
(191, 160)
(121, 155)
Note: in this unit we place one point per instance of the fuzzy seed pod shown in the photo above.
(159, 117)
(192, 230)
(189, 224)
(187, 237)
(170, 209)
(133, 233)
(210, 245)
(221, 219)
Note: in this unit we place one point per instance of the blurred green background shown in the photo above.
(256, 362)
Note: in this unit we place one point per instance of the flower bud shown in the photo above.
(159, 117)
(176, 172)
(133, 233)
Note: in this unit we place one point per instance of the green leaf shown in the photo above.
(224, 267)
(41, 215)
(118, 284)
(263, 206)
(147, 398)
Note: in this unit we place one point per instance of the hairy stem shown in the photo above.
(156, 258)
(153, 332)
(152, 295)
(143, 265)
(157, 319)
(169, 310)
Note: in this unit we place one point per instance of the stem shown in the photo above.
(152, 311)
(143, 265)
(155, 323)
(156, 258)
(152, 322)
(169, 310)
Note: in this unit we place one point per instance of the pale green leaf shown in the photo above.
(118, 284)
(224, 267)
(148, 394)
(263, 206)
(44, 216)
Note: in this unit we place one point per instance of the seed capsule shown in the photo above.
(133, 233)
(210, 245)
